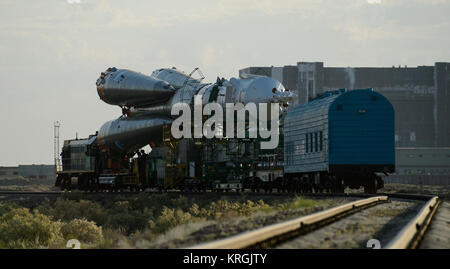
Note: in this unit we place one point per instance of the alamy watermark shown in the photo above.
(374, 244)
(214, 126)
(73, 244)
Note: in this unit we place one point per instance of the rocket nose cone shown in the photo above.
(265, 90)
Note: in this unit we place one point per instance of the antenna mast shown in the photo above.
(56, 156)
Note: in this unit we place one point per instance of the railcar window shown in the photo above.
(321, 141)
(316, 144)
(302, 147)
(307, 143)
(311, 145)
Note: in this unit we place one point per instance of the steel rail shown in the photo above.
(411, 235)
(272, 234)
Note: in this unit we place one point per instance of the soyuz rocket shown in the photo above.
(146, 101)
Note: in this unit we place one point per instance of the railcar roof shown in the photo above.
(321, 102)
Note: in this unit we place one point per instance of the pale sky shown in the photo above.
(52, 51)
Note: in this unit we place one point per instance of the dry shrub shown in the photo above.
(67, 210)
(169, 218)
(20, 228)
(83, 230)
(225, 209)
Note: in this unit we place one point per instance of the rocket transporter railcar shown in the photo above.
(340, 139)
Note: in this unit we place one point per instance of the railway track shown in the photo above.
(418, 197)
(274, 235)
(29, 193)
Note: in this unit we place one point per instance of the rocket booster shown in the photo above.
(127, 88)
(127, 134)
(148, 101)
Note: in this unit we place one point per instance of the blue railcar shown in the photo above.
(342, 138)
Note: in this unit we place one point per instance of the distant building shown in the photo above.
(31, 172)
(427, 166)
(9, 171)
(420, 95)
(41, 171)
(423, 161)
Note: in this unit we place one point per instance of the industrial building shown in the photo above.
(423, 165)
(420, 96)
(423, 161)
(9, 171)
(34, 173)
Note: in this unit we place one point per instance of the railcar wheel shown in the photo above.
(339, 189)
(67, 182)
(370, 188)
